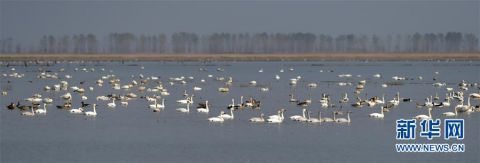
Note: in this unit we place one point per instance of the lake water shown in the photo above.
(136, 134)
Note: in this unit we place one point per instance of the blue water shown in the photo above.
(136, 134)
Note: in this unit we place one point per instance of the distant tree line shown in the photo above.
(247, 43)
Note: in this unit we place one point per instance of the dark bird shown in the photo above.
(11, 106)
(84, 104)
(201, 105)
(303, 103)
(406, 100)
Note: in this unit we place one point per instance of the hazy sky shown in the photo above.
(27, 20)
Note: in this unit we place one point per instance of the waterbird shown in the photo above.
(92, 113)
(257, 119)
(378, 115)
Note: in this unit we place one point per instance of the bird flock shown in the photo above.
(152, 92)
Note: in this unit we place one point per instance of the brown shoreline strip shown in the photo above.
(243, 57)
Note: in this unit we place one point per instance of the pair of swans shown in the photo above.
(342, 120)
(278, 118)
(465, 108)
(156, 107)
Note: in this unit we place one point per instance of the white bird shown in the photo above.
(276, 118)
(183, 101)
(197, 88)
(47, 100)
(450, 114)
(204, 110)
(475, 95)
(378, 115)
(92, 113)
(227, 116)
(28, 113)
(156, 106)
(217, 118)
(42, 111)
(328, 119)
(76, 111)
(344, 98)
(183, 110)
(315, 120)
(465, 108)
(299, 117)
(422, 116)
(124, 103)
(84, 98)
(343, 120)
(257, 119)
(67, 96)
(277, 77)
(446, 103)
(112, 104)
(396, 100)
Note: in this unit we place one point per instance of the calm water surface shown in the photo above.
(136, 134)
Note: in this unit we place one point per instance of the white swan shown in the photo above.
(315, 120)
(344, 98)
(183, 110)
(217, 118)
(257, 119)
(343, 120)
(446, 103)
(28, 113)
(378, 115)
(429, 103)
(450, 114)
(298, 117)
(112, 104)
(42, 111)
(382, 101)
(197, 88)
(422, 116)
(396, 100)
(184, 101)
(233, 104)
(276, 116)
(76, 111)
(328, 119)
(67, 96)
(92, 113)
(475, 95)
(227, 116)
(124, 103)
(204, 110)
(465, 108)
(47, 100)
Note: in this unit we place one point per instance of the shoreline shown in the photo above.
(244, 57)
